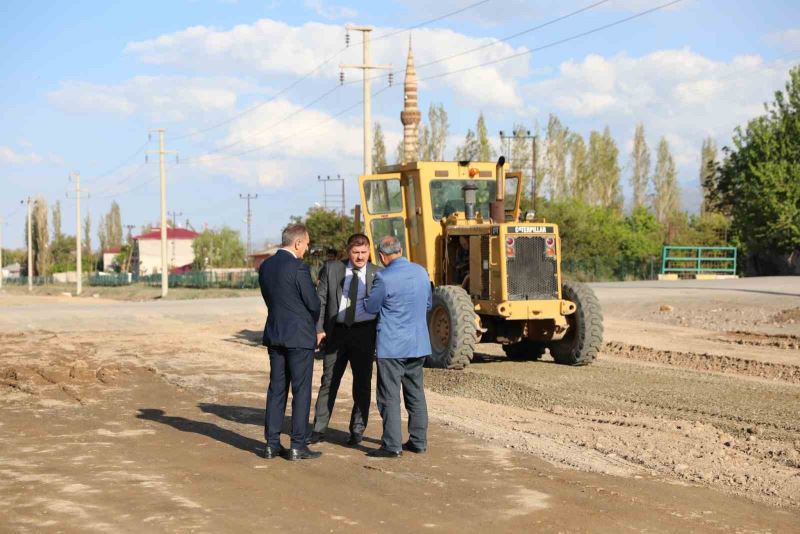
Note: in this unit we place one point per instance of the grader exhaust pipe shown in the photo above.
(497, 210)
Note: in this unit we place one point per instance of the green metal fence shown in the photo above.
(605, 269)
(23, 281)
(698, 260)
(110, 280)
(205, 279)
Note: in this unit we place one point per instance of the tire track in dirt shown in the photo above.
(705, 362)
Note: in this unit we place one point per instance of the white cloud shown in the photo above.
(787, 39)
(164, 98)
(276, 48)
(330, 12)
(255, 153)
(9, 156)
(678, 94)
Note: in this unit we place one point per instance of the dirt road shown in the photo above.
(116, 417)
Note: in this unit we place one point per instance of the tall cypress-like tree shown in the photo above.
(521, 157)
(604, 170)
(57, 235)
(556, 158)
(439, 125)
(707, 176)
(579, 176)
(40, 237)
(378, 147)
(469, 150)
(424, 143)
(666, 193)
(485, 150)
(640, 167)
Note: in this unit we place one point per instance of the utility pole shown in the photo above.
(30, 248)
(328, 199)
(525, 134)
(76, 177)
(162, 169)
(175, 215)
(129, 239)
(248, 197)
(365, 68)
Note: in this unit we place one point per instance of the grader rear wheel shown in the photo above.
(585, 335)
(452, 325)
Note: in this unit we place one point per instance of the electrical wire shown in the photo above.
(115, 169)
(320, 66)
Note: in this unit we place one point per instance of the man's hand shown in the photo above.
(320, 337)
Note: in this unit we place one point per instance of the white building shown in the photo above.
(109, 259)
(146, 256)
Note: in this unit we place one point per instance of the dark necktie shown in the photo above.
(352, 297)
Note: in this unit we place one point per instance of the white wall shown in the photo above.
(179, 253)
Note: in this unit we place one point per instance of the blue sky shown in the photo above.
(82, 84)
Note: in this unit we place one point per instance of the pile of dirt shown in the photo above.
(780, 341)
(706, 362)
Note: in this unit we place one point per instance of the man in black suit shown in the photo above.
(290, 335)
(349, 335)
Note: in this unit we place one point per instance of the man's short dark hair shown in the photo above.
(292, 233)
(390, 245)
(357, 240)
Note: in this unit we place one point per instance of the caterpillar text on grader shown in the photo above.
(496, 276)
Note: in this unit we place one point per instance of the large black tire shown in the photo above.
(525, 350)
(453, 328)
(585, 335)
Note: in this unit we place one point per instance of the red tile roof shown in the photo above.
(172, 233)
(113, 250)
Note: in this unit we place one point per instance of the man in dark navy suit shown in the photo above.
(291, 337)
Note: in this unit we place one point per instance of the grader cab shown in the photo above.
(496, 274)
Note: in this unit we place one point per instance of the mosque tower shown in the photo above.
(410, 116)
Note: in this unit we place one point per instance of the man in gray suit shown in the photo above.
(348, 332)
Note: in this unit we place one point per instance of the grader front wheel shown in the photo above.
(585, 335)
(452, 326)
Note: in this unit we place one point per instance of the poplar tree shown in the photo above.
(40, 237)
(640, 167)
(579, 176)
(378, 147)
(439, 128)
(707, 176)
(469, 150)
(666, 193)
(556, 158)
(57, 221)
(604, 186)
(521, 156)
(485, 150)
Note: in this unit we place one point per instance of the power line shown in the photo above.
(274, 124)
(556, 43)
(122, 164)
(320, 66)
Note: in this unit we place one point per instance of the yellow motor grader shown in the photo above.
(496, 274)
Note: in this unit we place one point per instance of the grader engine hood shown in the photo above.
(531, 257)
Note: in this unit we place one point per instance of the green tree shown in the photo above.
(485, 150)
(40, 237)
(86, 243)
(640, 167)
(378, 148)
(469, 150)
(110, 229)
(218, 248)
(666, 192)
(604, 170)
(759, 181)
(580, 179)
(56, 221)
(63, 254)
(439, 128)
(328, 229)
(556, 158)
(708, 173)
(423, 142)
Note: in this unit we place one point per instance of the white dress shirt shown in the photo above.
(361, 313)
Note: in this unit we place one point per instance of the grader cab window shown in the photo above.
(447, 197)
(383, 196)
(394, 226)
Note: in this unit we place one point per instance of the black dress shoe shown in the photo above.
(315, 438)
(354, 440)
(301, 454)
(273, 452)
(410, 447)
(384, 453)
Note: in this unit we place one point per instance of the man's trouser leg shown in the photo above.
(417, 408)
(301, 368)
(276, 396)
(390, 370)
(361, 354)
(333, 367)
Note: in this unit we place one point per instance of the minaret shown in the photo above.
(410, 116)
